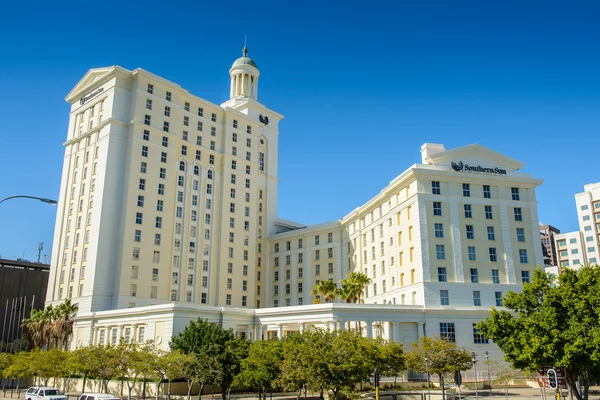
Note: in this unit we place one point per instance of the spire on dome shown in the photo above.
(245, 49)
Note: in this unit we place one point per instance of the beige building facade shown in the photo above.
(168, 213)
(581, 247)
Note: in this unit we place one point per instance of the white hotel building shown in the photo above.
(168, 212)
(579, 248)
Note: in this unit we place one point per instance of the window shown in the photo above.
(435, 187)
(444, 298)
(470, 232)
(163, 157)
(158, 222)
(213, 117)
(439, 230)
(476, 298)
(468, 211)
(168, 96)
(474, 275)
(495, 276)
(487, 193)
(493, 255)
(447, 331)
(498, 297)
(466, 190)
(472, 253)
(518, 214)
(138, 218)
(137, 236)
(490, 232)
(515, 193)
(520, 235)
(437, 208)
(525, 276)
(478, 338)
(317, 240)
(147, 119)
(440, 251)
(200, 112)
(148, 104)
(144, 151)
(442, 274)
(150, 88)
(523, 256)
(140, 201)
(488, 212)
(146, 135)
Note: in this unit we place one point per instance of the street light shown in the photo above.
(487, 361)
(43, 199)
(427, 372)
(474, 360)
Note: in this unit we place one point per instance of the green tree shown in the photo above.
(353, 286)
(46, 364)
(296, 366)
(503, 374)
(19, 368)
(390, 358)
(201, 335)
(552, 322)
(133, 362)
(105, 363)
(204, 368)
(326, 288)
(230, 360)
(443, 357)
(260, 369)
(349, 360)
(6, 359)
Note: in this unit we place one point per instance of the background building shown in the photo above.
(547, 233)
(23, 287)
(168, 212)
(581, 247)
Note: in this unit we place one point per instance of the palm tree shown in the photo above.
(361, 280)
(62, 327)
(326, 288)
(348, 291)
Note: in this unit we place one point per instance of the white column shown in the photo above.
(369, 329)
(342, 325)
(420, 329)
(397, 331)
(302, 327)
(231, 86)
(244, 80)
(280, 331)
(248, 331)
(391, 331)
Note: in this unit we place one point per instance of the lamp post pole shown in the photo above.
(487, 360)
(474, 360)
(43, 199)
(427, 372)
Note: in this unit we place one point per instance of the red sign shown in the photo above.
(542, 377)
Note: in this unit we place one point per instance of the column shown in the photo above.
(94, 335)
(342, 325)
(280, 331)
(420, 329)
(134, 333)
(392, 331)
(258, 332)
(248, 332)
(370, 329)
(397, 331)
(302, 327)
(231, 86)
(244, 81)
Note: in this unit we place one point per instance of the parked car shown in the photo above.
(44, 393)
(98, 396)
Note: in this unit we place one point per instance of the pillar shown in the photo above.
(420, 329)
(302, 327)
(397, 331)
(279, 331)
(342, 325)
(248, 332)
(370, 329)
(258, 332)
(134, 333)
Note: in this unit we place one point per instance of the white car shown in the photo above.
(98, 396)
(44, 393)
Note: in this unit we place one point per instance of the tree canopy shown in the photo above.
(554, 321)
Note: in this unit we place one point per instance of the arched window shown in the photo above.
(181, 166)
(196, 170)
(210, 174)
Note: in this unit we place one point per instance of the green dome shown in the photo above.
(244, 59)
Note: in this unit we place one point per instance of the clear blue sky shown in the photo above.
(362, 85)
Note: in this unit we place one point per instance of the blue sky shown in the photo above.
(362, 86)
